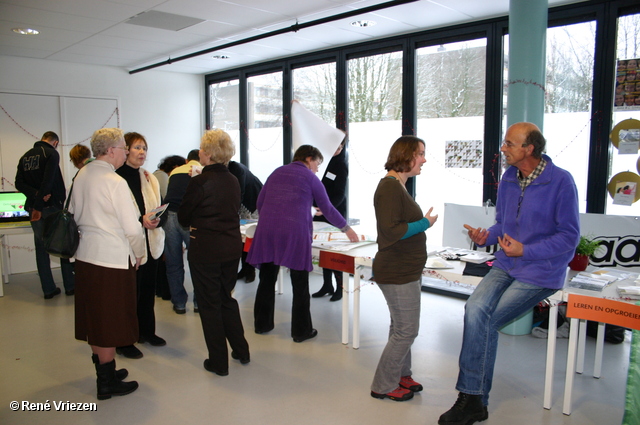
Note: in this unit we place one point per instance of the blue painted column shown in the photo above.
(527, 61)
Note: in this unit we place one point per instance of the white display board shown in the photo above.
(619, 235)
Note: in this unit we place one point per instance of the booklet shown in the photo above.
(157, 212)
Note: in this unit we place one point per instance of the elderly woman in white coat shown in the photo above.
(111, 248)
(146, 191)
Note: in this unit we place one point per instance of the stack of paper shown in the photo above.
(593, 282)
(632, 292)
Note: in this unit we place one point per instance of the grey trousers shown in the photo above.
(404, 307)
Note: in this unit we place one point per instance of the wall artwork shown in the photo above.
(463, 154)
(627, 95)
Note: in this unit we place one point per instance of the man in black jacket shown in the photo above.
(250, 187)
(40, 179)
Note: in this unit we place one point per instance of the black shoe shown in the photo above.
(241, 274)
(179, 310)
(130, 352)
(243, 360)
(57, 291)
(154, 340)
(251, 276)
(70, 292)
(467, 410)
(207, 365)
(310, 335)
(196, 309)
(325, 290)
(263, 331)
(337, 296)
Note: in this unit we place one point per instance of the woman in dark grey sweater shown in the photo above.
(398, 265)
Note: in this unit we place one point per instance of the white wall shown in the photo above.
(166, 107)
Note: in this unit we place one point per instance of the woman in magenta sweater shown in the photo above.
(283, 238)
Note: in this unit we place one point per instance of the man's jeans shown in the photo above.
(174, 236)
(497, 300)
(43, 262)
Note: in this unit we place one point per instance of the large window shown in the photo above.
(224, 110)
(450, 90)
(315, 87)
(568, 86)
(375, 111)
(628, 48)
(450, 104)
(264, 124)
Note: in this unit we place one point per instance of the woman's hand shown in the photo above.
(138, 262)
(150, 224)
(432, 218)
(352, 235)
(318, 213)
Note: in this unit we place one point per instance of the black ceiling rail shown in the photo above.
(293, 28)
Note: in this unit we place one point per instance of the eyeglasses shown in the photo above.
(124, 148)
(511, 145)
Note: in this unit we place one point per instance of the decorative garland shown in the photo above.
(116, 112)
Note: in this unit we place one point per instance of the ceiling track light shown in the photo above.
(363, 23)
(25, 31)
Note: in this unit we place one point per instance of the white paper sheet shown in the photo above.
(309, 129)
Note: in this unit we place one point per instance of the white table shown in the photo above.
(577, 339)
(362, 258)
(16, 228)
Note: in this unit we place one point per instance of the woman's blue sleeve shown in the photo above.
(416, 227)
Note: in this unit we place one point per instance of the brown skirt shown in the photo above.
(105, 305)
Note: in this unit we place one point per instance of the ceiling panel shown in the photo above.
(95, 32)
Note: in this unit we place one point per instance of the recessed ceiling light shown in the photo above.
(363, 24)
(220, 57)
(25, 31)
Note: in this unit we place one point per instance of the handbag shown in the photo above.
(61, 237)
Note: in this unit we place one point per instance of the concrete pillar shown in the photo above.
(527, 61)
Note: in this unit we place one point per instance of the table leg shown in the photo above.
(3, 266)
(551, 355)
(356, 310)
(345, 308)
(582, 342)
(597, 366)
(571, 366)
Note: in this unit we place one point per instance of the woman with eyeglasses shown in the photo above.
(146, 191)
(111, 248)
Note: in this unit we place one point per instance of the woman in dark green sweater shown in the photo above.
(398, 265)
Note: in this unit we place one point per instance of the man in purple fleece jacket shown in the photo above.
(538, 228)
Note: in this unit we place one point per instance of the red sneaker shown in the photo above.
(408, 383)
(399, 394)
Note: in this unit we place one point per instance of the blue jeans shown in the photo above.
(43, 262)
(497, 300)
(395, 362)
(174, 236)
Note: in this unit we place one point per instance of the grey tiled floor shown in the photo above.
(319, 381)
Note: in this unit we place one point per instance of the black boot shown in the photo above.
(325, 290)
(338, 294)
(467, 410)
(107, 383)
(120, 373)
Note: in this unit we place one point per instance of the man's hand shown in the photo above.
(352, 235)
(510, 246)
(35, 215)
(477, 234)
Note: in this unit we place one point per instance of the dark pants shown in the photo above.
(219, 312)
(264, 307)
(43, 262)
(146, 281)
